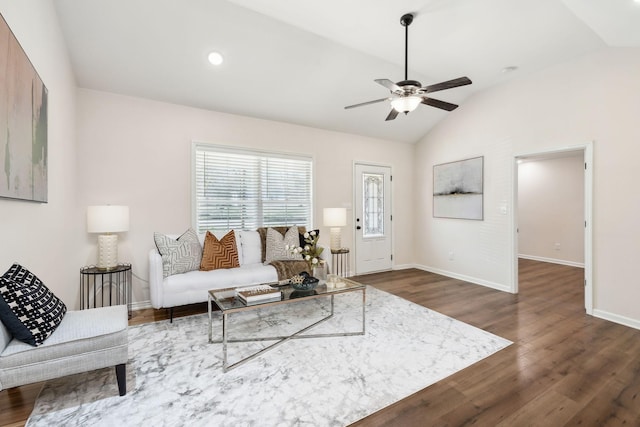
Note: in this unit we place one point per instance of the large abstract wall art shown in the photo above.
(458, 189)
(23, 123)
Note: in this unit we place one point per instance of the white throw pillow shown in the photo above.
(276, 245)
(250, 251)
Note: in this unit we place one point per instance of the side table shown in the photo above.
(101, 288)
(340, 258)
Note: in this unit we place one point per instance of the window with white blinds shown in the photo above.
(245, 189)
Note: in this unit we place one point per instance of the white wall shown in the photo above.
(136, 152)
(45, 237)
(551, 210)
(593, 98)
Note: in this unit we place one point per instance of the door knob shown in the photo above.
(358, 227)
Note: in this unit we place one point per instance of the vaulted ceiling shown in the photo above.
(301, 62)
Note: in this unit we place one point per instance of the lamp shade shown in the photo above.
(107, 219)
(335, 217)
(406, 104)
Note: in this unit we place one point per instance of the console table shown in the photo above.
(101, 288)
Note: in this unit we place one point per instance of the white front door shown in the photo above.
(372, 218)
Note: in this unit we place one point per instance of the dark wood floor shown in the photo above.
(564, 368)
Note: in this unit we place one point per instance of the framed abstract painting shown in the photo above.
(23, 123)
(458, 189)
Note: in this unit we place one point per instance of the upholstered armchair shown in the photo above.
(85, 340)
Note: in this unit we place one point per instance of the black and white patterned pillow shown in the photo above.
(29, 310)
(179, 255)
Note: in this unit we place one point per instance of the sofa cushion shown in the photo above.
(5, 336)
(249, 247)
(221, 253)
(179, 255)
(29, 310)
(192, 287)
(277, 248)
(77, 328)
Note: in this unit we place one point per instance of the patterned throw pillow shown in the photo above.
(179, 255)
(302, 240)
(262, 231)
(276, 245)
(29, 310)
(221, 253)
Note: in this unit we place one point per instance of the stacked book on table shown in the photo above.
(259, 294)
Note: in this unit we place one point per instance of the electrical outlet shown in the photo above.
(556, 246)
(452, 255)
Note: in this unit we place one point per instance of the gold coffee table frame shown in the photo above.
(226, 301)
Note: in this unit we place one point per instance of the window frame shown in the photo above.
(197, 146)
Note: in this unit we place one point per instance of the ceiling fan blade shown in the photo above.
(461, 81)
(439, 104)
(375, 101)
(392, 114)
(389, 85)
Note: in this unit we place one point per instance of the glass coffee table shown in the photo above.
(228, 303)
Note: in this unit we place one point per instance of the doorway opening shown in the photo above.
(552, 212)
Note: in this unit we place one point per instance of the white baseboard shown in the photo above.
(139, 305)
(601, 314)
(488, 284)
(404, 266)
(393, 268)
(552, 260)
(616, 318)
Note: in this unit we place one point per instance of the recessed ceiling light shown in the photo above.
(509, 69)
(215, 58)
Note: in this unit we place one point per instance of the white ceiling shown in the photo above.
(301, 62)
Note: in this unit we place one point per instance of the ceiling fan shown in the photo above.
(407, 94)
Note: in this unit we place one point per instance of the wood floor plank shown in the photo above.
(615, 405)
(548, 409)
(564, 368)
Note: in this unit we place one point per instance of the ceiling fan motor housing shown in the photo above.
(409, 86)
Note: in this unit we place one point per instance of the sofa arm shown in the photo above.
(156, 279)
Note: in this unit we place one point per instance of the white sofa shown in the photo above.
(192, 287)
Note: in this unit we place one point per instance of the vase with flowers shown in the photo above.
(311, 252)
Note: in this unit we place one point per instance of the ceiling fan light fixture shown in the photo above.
(215, 58)
(406, 104)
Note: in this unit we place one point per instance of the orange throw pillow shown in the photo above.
(221, 253)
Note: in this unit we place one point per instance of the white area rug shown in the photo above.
(175, 378)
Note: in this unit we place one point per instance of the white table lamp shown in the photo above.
(107, 220)
(335, 218)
